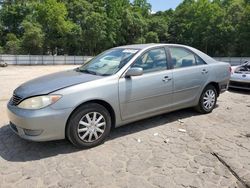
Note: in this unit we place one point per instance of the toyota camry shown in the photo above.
(119, 86)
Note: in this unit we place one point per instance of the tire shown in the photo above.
(209, 94)
(81, 126)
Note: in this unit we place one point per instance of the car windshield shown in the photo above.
(109, 62)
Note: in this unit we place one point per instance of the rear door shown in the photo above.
(190, 73)
(149, 93)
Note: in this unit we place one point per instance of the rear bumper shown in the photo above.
(38, 125)
(223, 86)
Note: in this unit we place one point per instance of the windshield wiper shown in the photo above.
(86, 71)
(90, 72)
(105, 74)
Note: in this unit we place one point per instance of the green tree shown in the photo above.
(33, 38)
(52, 15)
(113, 9)
(142, 6)
(200, 24)
(244, 32)
(1, 50)
(133, 27)
(77, 27)
(1, 34)
(152, 37)
(12, 45)
(73, 43)
(78, 10)
(159, 24)
(95, 32)
(12, 13)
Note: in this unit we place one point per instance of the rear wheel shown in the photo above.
(207, 100)
(89, 125)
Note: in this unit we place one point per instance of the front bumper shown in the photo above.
(240, 81)
(239, 84)
(38, 125)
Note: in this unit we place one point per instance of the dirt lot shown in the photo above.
(213, 152)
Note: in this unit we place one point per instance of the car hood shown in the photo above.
(52, 82)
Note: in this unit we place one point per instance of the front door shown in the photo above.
(149, 93)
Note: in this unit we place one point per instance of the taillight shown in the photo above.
(230, 70)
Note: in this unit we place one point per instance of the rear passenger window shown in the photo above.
(199, 61)
(184, 58)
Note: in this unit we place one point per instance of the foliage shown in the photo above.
(133, 27)
(152, 37)
(33, 38)
(142, 6)
(1, 49)
(52, 15)
(87, 27)
(12, 44)
(212, 27)
(244, 32)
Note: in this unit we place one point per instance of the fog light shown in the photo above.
(29, 132)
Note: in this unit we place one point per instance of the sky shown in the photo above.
(161, 5)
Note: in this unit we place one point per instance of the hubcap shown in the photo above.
(91, 126)
(209, 99)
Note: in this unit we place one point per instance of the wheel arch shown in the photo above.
(100, 102)
(216, 85)
(198, 107)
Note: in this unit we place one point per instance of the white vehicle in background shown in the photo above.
(3, 64)
(240, 76)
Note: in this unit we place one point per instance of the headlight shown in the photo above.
(39, 102)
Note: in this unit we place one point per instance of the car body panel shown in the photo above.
(131, 99)
(52, 82)
(241, 78)
(188, 82)
(156, 95)
(51, 122)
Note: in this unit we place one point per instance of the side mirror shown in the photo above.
(135, 71)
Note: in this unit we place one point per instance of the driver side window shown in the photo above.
(152, 61)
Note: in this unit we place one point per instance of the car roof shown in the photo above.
(140, 46)
(143, 46)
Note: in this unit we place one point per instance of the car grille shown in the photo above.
(15, 100)
(239, 84)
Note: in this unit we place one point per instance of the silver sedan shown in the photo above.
(119, 86)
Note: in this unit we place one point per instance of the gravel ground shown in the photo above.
(212, 151)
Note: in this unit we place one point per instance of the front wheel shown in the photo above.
(89, 125)
(207, 100)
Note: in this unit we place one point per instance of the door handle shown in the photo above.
(166, 79)
(204, 71)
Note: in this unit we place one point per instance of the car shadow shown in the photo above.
(15, 149)
(160, 120)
